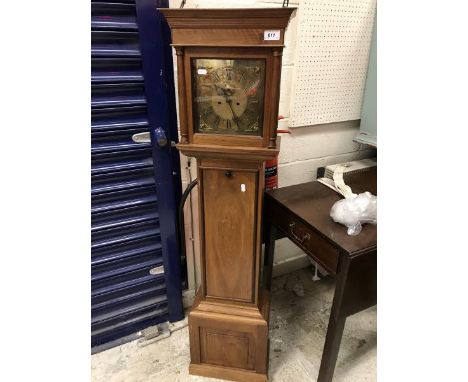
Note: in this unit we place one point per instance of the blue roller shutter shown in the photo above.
(135, 186)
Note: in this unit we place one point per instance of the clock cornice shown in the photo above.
(224, 27)
(225, 18)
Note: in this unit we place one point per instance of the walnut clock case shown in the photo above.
(229, 67)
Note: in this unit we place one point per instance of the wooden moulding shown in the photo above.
(226, 18)
(230, 152)
(226, 27)
(182, 100)
(224, 307)
(275, 94)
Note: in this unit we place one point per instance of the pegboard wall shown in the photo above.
(332, 53)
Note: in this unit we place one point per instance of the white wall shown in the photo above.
(302, 151)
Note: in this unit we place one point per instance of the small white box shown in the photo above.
(271, 35)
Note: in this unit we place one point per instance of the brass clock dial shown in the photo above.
(228, 96)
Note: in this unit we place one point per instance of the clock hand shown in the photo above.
(234, 117)
(229, 102)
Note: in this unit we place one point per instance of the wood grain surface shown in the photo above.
(228, 324)
(229, 232)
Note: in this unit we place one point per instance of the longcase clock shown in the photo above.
(228, 69)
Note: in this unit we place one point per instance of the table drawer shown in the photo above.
(310, 241)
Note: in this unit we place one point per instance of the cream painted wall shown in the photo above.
(302, 152)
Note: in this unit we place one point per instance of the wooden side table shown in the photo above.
(301, 213)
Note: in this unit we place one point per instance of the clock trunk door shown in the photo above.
(230, 204)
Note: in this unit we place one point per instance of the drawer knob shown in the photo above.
(228, 173)
(295, 236)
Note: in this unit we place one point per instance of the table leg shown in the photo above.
(336, 326)
(331, 349)
(270, 238)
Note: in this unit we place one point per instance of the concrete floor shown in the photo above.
(300, 310)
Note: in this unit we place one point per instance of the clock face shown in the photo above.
(228, 95)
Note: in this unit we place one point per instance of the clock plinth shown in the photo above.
(229, 66)
(229, 341)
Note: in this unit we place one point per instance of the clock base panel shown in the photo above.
(228, 341)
